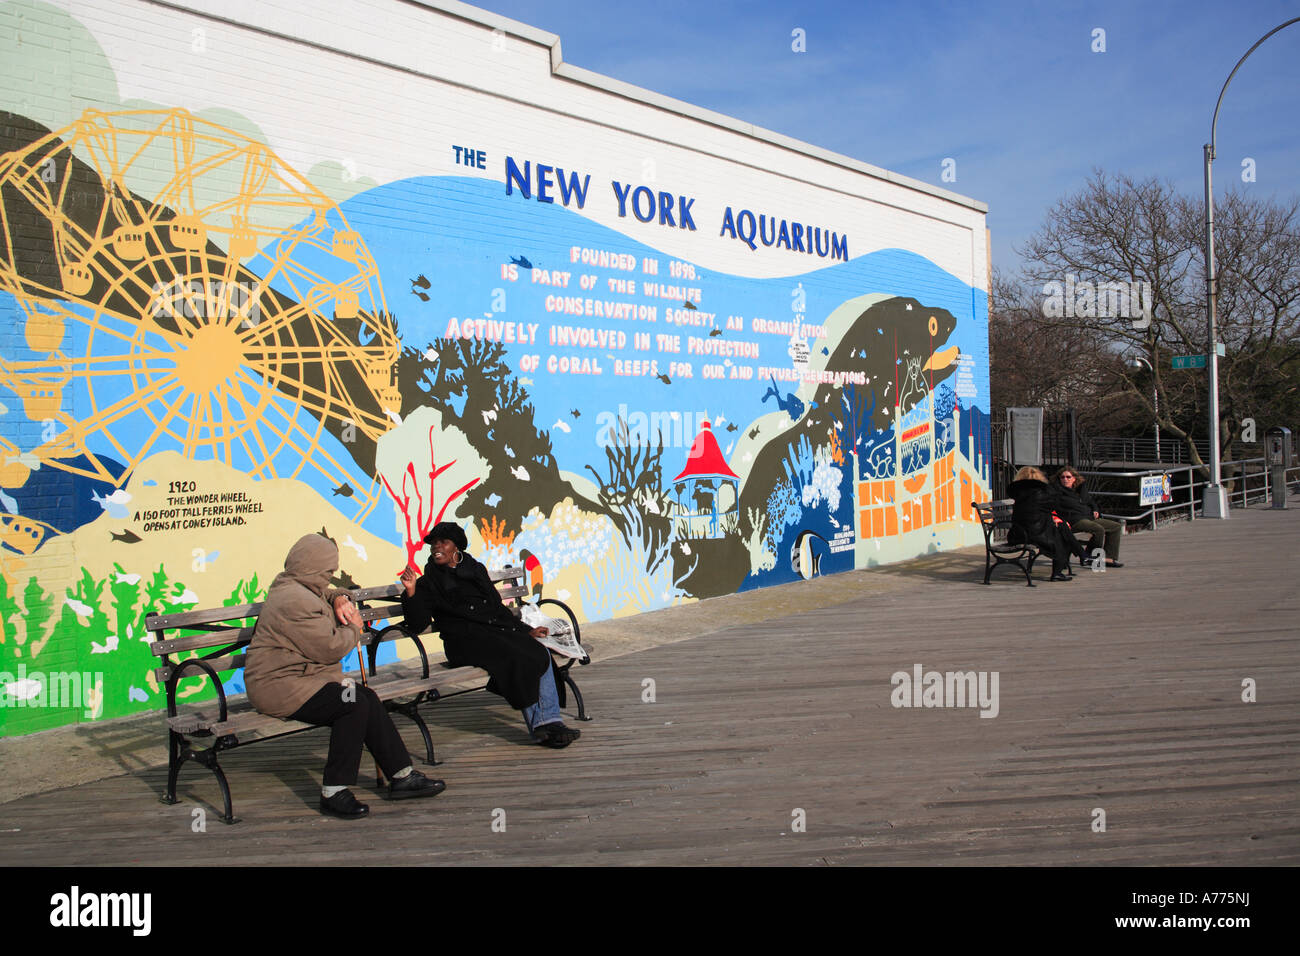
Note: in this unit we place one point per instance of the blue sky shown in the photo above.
(1013, 92)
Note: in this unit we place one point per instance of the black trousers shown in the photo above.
(355, 715)
(1053, 541)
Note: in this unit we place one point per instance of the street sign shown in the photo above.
(1189, 361)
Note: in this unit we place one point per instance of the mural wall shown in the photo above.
(662, 372)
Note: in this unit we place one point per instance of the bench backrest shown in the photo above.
(995, 518)
(224, 632)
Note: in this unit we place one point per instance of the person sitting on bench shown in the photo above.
(1033, 520)
(478, 630)
(293, 671)
(1075, 505)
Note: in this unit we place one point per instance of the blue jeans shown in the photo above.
(547, 708)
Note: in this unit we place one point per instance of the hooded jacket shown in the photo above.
(298, 642)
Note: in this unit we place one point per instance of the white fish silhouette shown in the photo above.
(105, 648)
(521, 473)
(24, 689)
(489, 416)
(359, 549)
(78, 608)
(134, 693)
(431, 356)
(562, 426)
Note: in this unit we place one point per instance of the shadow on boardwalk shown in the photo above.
(771, 738)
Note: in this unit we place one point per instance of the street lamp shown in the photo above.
(1137, 361)
(1214, 504)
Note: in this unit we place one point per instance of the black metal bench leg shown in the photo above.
(209, 759)
(174, 762)
(577, 695)
(412, 712)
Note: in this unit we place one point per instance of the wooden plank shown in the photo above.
(1122, 691)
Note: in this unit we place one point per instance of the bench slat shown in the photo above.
(159, 622)
(233, 635)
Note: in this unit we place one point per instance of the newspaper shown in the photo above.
(559, 636)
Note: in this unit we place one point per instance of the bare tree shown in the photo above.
(1120, 234)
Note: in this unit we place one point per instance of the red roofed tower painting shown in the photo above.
(707, 490)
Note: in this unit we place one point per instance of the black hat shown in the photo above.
(447, 531)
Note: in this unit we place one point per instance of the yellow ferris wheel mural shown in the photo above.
(223, 309)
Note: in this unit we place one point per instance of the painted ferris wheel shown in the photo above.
(198, 295)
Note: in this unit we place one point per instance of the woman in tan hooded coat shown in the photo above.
(294, 672)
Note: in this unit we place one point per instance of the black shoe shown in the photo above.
(344, 804)
(1060, 577)
(555, 735)
(1113, 564)
(415, 784)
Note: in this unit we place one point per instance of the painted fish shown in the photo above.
(522, 262)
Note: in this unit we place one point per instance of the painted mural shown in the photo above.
(211, 353)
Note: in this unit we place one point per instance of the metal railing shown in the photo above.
(1172, 450)
(1247, 482)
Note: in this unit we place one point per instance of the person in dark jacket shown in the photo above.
(1076, 506)
(478, 630)
(293, 672)
(1033, 519)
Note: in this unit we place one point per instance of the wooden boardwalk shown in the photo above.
(1119, 692)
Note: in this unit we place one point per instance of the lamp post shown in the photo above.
(1137, 361)
(1214, 502)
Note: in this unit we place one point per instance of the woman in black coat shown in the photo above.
(478, 630)
(1033, 519)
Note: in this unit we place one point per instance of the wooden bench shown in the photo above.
(217, 639)
(995, 519)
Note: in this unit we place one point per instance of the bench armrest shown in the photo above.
(178, 673)
(392, 633)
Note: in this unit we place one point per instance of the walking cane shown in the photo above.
(361, 665)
